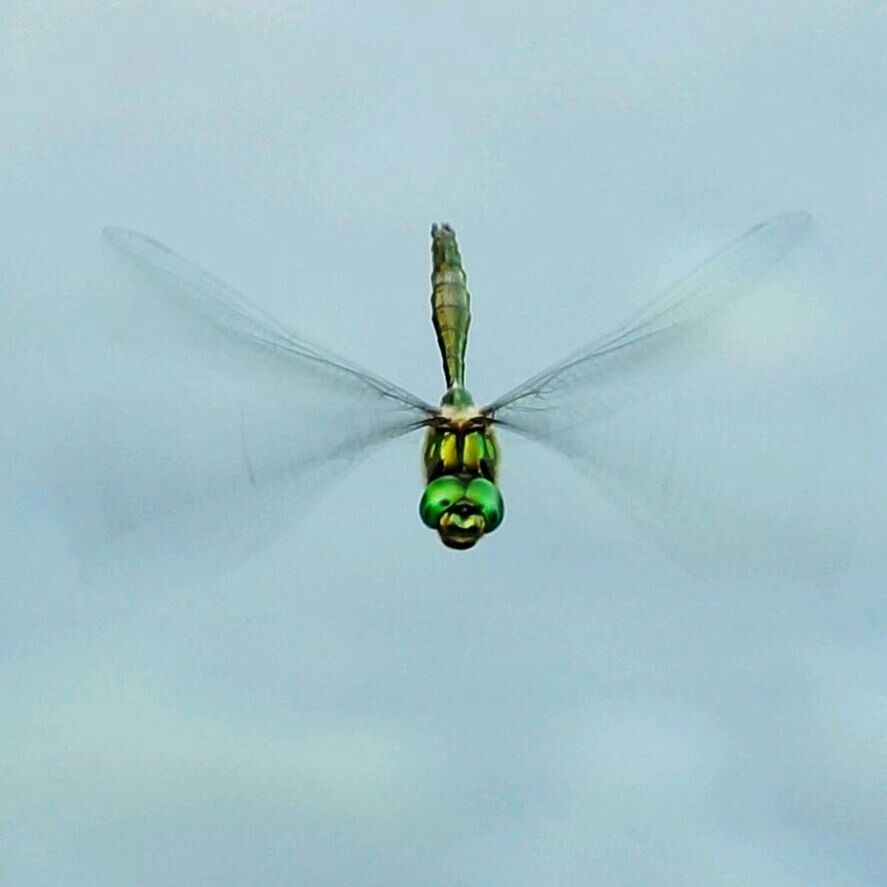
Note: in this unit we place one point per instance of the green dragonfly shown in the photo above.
(309, 412)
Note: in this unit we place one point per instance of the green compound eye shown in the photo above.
(486, 496)
(439, 495)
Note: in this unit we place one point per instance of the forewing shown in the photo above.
(656, 332)
(727, 473)
(197, 291)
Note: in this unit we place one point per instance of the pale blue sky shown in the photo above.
(353, 704)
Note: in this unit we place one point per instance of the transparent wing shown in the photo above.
(227, 309)
(209, 421)
(726, 471)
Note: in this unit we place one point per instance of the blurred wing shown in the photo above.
(212, 421)
(723, 477)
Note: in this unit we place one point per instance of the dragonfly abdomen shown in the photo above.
(450, 303)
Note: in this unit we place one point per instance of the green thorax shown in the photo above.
(460, 441)
(450, 303)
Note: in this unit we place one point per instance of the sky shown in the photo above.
(308, 689)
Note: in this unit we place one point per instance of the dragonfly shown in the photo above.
(309, 412)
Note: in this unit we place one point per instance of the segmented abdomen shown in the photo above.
(450, 303)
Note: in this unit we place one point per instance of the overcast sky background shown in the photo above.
(352, 704)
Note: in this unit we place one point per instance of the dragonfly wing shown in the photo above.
(199, 292)
(212, 416)
(655, 332)
(726, 475)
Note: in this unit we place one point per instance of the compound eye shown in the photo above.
(486, 496)
(439, 495)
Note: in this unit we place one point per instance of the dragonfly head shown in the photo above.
(461, 510)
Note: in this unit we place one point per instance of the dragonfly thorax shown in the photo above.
(460, 440)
